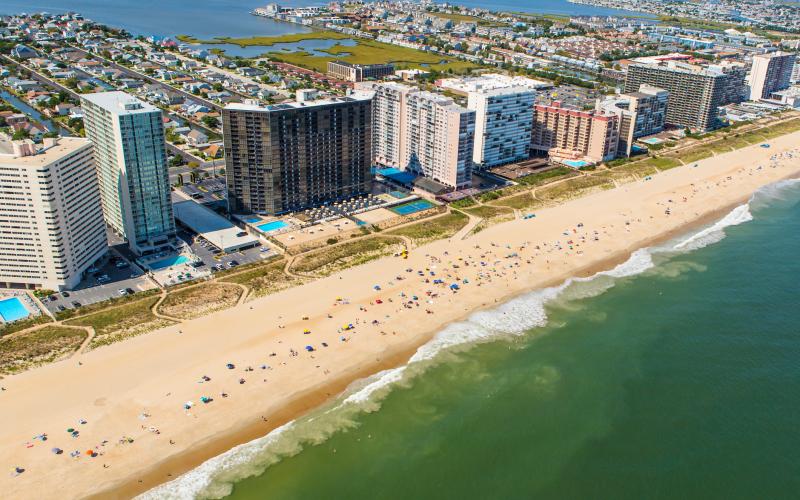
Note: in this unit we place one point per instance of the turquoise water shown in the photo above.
(412, 207)
(13, 309)
(676, 375)
(268, 227)
(168, 262)
(575, 163)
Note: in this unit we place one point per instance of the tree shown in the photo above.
(176, 161)
(21, 134)
(210, 121)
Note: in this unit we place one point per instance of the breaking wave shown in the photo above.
(215, 477)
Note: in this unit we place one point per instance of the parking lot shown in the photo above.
(211, 256)
(103, 281)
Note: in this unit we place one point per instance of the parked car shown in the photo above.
(65, 294)
(130, 291)
(52, 298)
(75, 303)
(61, 308)
(122, 291)
(122, 264)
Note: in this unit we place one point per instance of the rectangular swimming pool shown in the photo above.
(13, 309)
(576, 163)
(268, 227)
(168, 262)
(252, 220)
(412, 207)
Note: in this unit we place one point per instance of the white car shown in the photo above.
(122, 291)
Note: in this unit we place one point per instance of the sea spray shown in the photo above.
(215, 477)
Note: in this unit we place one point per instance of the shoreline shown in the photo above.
(134, 381)
(319, 396)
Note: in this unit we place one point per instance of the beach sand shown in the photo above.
(136, 390)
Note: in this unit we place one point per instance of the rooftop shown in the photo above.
(215, 228)
(119, 103)
(354, 97)
(491, 81)
(44, 155)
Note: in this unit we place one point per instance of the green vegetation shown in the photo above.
(267, 41)
(463, 18)
(265, 279)
(574, 188)
(23, 324)
(372, 52)
(433, 229)
(463, 203)
(121, 322)
(330, 260)
(547, 176)
(520, 201)
(494, 214)
(29, 349)
(200, 300)
(363, 52)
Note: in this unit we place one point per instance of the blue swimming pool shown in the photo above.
(268, 227)
(168, 262)
(576, 163)
(252, 220)
(13, 309)
(412, 207)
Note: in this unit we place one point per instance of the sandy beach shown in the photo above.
(136, 405)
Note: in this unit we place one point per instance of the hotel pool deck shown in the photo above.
(13, 309)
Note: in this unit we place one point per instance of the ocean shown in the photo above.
(210, 18)
(674, 375)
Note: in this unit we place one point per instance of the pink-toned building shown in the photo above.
(573, 134)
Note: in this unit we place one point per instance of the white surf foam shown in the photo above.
(215, 477)
(716, 232)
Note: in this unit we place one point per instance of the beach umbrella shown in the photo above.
(309, 348)
(90, 452)
(70, 430)
(57, 451)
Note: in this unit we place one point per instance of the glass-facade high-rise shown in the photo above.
(130, 152)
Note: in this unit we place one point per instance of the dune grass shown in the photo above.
(329, 260)
(121, 322)
(265, 279)
(45, 345)
(200, 300)
(436, 228)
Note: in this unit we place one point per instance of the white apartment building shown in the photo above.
(51, 222)
(770, 73)
(439, 139)
(389, 123)
(130, 151)
(422, 132)
(503, 123)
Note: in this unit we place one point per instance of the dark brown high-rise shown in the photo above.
(289, 157)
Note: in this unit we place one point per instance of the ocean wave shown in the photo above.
(715, 232)
(215, 477)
